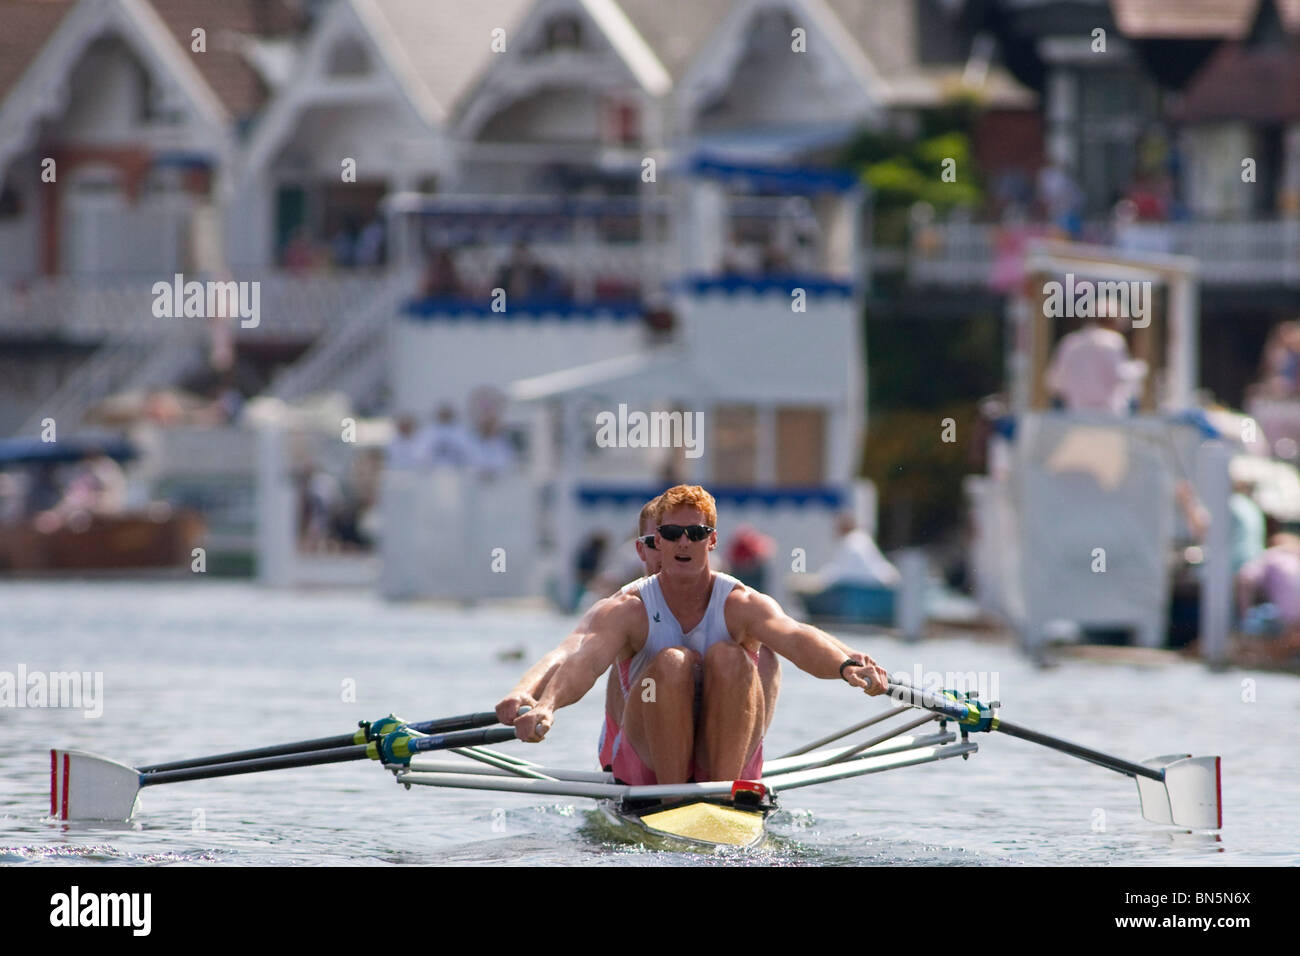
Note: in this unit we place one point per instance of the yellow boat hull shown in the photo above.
(698, 824)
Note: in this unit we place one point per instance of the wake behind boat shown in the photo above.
(1177, 790)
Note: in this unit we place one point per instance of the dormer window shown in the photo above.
(563, 33)
(348, 58)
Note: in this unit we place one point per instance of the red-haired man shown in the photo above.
(687, 647)
(617, 688)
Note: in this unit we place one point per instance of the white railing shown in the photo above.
(352, 356)
(1230, 253)
(583, 265)
(130, 359)
(293, 305)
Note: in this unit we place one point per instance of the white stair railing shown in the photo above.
(352, 356)
(132, 359)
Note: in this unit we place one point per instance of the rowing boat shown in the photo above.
(1176, 789)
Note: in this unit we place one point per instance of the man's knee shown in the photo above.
(728, 661)
(674, 661)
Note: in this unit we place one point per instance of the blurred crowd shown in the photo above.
(353, 245)
(484, 449)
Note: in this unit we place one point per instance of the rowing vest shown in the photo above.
(664, 631)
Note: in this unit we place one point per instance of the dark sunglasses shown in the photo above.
(649, 541)
(695, 532)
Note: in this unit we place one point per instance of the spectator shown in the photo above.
(590, 557)
(491, 451)
(370, 249)
(1274, 576)
(445, 442)
(343, 246)
(522, 276)
(322, 500)
(858, 560)
(747, 554)
(1091, 369)
(406, 452)
(300, 253)
(97, 485)
(1248, 524)
(441, 279)
(1281, 361)
(1061, 198)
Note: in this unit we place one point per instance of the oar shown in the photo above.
(1177, 789)
(369, 731)
(86, 786)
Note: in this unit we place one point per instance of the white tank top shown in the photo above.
(664, 631)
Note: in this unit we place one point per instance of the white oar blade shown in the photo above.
(84, 786)
(1190, 795)
(1195, 793)
(1153, 794)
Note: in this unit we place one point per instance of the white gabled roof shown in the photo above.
(441, 46)
(645, 65)
(42, 91)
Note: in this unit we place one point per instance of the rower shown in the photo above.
(533, 683)
(688, 641)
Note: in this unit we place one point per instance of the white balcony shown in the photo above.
(1254, 252)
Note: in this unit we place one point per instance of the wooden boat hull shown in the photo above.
(137, 540)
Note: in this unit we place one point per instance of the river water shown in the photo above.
(199, 668)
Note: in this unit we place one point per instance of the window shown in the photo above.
(563, 33)
(348, 58)
(735, 445)
(800, 446)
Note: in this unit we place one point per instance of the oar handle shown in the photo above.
(919, 698)
(466, 722)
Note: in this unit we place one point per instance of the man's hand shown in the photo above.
(532, 726)
(870, 676)
(508, 708)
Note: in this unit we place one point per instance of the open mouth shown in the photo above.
(682, 557)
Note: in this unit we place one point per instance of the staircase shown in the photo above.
(353, 356)
(137, 357)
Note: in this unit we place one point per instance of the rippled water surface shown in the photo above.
(193, 669)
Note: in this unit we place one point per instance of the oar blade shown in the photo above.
(85, 786)
(1196, 792)
(1190, 796)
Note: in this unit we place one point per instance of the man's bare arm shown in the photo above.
(608, 632)
(759, 617)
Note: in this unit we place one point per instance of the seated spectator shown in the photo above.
(441, 279)
(858, 560)
(97, 485)
(522, 276)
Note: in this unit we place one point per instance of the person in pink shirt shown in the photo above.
(1274, 576)
(1091, 370)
